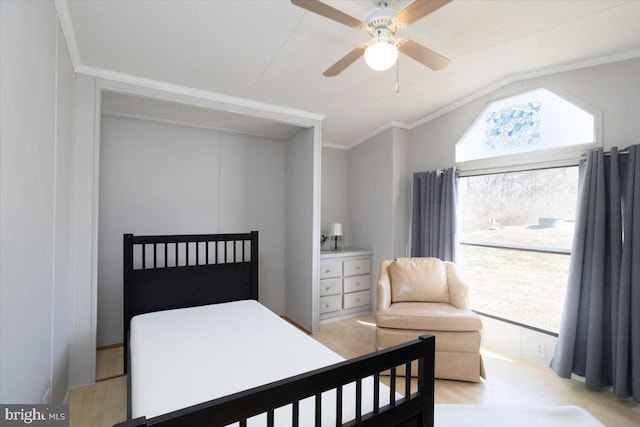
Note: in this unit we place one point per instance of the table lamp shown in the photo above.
(335, 231)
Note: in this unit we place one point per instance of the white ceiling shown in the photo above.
(274, 52)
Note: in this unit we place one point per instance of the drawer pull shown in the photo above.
(357, 299)
(327, 288)
(327, 306)
(357, 267)
(357, 283)
(327, 271)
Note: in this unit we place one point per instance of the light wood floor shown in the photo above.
(510, 381)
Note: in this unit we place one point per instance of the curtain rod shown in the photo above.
(608, 153)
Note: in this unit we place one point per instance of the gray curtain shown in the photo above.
(600, 330)
(433, 227)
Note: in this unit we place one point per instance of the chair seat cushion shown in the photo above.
(428, 316)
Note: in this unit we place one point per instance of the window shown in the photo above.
(516, 232)
(516, 209)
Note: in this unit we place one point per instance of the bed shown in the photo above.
(200, 349)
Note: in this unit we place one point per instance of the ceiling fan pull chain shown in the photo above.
(398, 76)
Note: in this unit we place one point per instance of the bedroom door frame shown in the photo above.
(90, 84)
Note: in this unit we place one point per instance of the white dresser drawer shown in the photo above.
(332, 303)
(356, 299)
(357, 283)
(358, 266)
(330, 269)
(330, 286)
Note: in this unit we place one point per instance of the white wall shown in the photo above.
(252, 197)
(300, 253)
(37, 90)
(335, 196)
(63, 224)
(84, 235)
(157, 178)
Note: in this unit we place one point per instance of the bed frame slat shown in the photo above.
(295, 414)
(407, 379)
(376, 393)
(392, 387)
(358, 399)
(339, 406)
(318, 415)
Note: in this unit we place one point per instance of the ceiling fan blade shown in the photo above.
(423, 55)
(346, 60)
(419, 9)
(327, 11)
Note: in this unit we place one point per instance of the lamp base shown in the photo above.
(335, 246)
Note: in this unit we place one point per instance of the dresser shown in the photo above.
(345, 282)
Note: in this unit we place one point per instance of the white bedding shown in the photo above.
(187, 356)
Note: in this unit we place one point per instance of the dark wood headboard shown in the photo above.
(179, 271)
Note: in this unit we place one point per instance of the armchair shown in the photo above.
(419, 295)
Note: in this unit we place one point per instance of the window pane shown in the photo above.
(529, 208)
(528, 211)
(525, 286)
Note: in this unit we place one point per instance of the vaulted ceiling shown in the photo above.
(274, 52)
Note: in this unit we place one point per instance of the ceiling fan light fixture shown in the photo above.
(381, 56)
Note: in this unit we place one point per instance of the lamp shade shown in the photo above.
(381, 56)
(335, 230)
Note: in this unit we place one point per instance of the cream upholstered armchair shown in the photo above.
(420, 295)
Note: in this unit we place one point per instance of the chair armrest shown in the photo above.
(384, 286)
(458, 290)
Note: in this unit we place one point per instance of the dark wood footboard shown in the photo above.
(412, 410)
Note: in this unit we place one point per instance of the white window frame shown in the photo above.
(543, 159)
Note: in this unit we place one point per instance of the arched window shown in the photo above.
(517, 198)
(535, 125)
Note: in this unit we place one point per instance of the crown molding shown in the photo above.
(203, 98)
(336, 146)
(383, 128)
(64, 17)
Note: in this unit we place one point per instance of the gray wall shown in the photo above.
(335, 196)
(36, 151)
(157, 178)
(370, 195)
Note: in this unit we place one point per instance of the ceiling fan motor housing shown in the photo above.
(382, 21)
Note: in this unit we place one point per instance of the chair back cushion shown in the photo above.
(418, 279)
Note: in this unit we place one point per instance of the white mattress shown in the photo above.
(187, 356)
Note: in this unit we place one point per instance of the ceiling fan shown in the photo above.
(382, 23)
